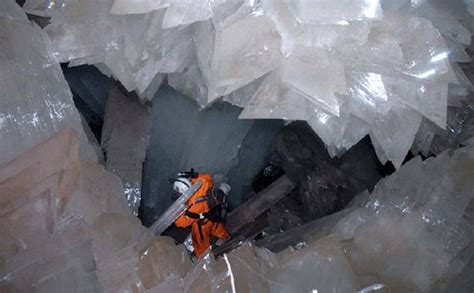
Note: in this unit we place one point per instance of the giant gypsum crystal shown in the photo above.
(36, 101)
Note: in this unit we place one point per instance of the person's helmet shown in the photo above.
(188, 174)
(225, 188)
(181, 185)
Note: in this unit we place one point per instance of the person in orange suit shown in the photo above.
(204, 211)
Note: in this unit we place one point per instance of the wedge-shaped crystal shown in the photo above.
(393, 135)
(317, 76)
(220, 47)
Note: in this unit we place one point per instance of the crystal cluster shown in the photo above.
(66, 227)
(377, 69)
(135, 49)
(417, 225)
(412, 234)
(348, 67)
(431, 140)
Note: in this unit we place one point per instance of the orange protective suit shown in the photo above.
(201, 229)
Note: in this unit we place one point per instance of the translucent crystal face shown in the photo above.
(36, 101)
(352, 60)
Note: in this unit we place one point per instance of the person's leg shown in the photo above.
(219, 231)
(201, 235)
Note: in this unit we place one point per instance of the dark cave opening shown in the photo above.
(256, 155)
